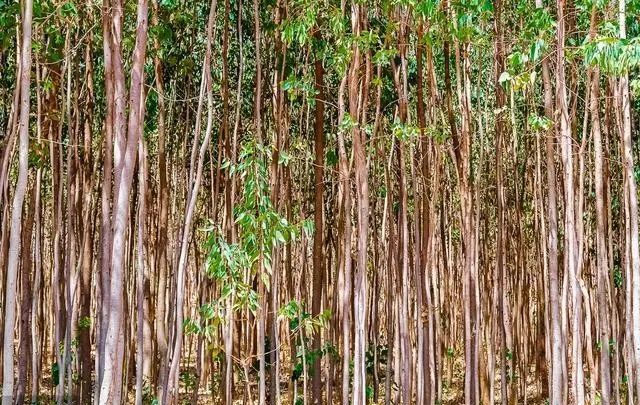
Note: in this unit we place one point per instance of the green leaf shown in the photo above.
(168, 3)
(536, 49)
(68, 9)
(284, 158)
(504, 77)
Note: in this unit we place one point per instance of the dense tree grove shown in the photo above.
(320, 201)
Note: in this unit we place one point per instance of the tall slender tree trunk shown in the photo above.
(142, 348)
(36, 330)
(16, 209)
(24, 345)
(501, 304)
(126, 137)
(105, 225)
(601, 237)
(162, 245)
(557, 356)
(344, 243)
(357, 105)
(318, 220)
(570, 247)
(87, 231)
(630, 183)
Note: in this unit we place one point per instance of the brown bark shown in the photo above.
(318, 220)
(24, 346)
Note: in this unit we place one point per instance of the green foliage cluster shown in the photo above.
(302, 326)
(235, 264)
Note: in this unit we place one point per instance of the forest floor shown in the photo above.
(452, 391)
(453, 387)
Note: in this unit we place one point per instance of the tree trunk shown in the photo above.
(16, 209)
(318, 220)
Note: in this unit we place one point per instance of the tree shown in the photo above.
(16, 208)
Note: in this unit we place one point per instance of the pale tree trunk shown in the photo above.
(56, 281)
(125, 157)
(161, 246)
(142, 344)
(557, 356)
(462, 151)
(36, 333)
(105, 224)
(630, 183)
(601, 243)
(280, 192)
(434, 331)
(501, 279)
(565, 139)
(87, 234)
(262, 290)
(229, 229)
(357, 104)
(344, 246)
(16, 209)
(401, 83)
(389, 238)
(420, 237)
(65, 387)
